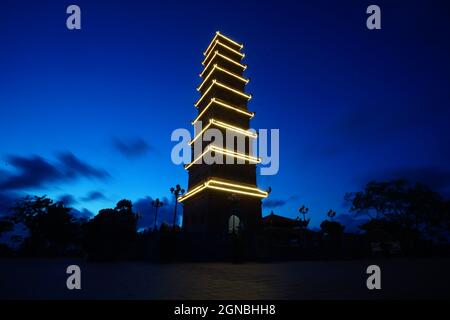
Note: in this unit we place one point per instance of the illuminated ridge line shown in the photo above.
(225, 186)
(218, 34)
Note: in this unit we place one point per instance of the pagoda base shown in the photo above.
(213, 211)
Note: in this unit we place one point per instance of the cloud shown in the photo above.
(8, 200)
(131, 148)
(273, 203)
(74, 167)
(33, 172)
(83, 213)
(67, 199)
(94, 195)
(37, 172)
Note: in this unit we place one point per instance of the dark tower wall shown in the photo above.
(210, 211)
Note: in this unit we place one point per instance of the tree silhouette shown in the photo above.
(124, 206)
(401, 207)
(111, 234)
(332, 229)
(331, 214)
(6, 225)
(52, 229)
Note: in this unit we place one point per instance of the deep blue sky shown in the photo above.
(87, 115)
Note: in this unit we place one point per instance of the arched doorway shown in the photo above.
(234, 224)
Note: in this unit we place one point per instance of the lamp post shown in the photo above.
(156, 204)
(304, 210)
(177, 191)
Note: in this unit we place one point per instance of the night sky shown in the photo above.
(86, 116)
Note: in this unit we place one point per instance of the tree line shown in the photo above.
(394, 210)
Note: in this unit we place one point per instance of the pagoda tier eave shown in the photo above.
(223, 71)
(219, 46)
(226, 126)
(225, 58)
(225, 152)
(227, 186)
(218, 102)
(220, 35)
(223, 86)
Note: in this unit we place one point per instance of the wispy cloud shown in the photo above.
(94, 195)
(131, 148)
(37, 172)
(274, 203)
(67, 199)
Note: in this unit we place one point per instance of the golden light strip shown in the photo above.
(200, 133)
(210, 61)
(211, 43)
(243, 66)
(223, 36)
(198, 158)
(231, 49)
(232, 41)
(233, 187)
(238, 191)
(206, 92)
(225, 126)
(237, 186)
(192, 192)
(214, 100)
(233, 75)
(216, 53)
(247, 96)
(225, 71)
(235, 129)
(223, 104)
(217, 42)
(235, 154)
(224, 152)
(206, 78)
(204, 110)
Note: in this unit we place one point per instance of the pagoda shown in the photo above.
(222, 196)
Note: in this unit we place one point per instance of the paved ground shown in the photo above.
(46, 279)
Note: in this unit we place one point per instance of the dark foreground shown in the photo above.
(401, 279)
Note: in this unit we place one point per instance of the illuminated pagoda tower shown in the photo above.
(222, 197)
